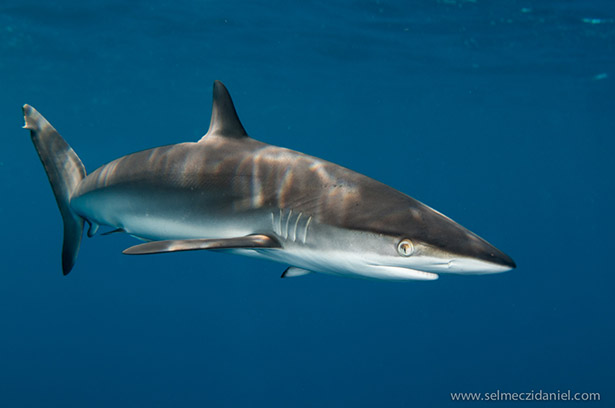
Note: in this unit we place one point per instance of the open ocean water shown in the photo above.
(500, 114)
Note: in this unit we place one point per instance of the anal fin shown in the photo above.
(176, 245)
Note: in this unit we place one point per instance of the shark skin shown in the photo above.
(233, 193)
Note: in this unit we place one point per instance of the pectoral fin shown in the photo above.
(247, 242)
(293, 271)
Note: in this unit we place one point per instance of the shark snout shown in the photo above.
(450, 248)
(500, 260)
(481, 259)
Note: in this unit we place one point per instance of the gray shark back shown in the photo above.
(246, 176)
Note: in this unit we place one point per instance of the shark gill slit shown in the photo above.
(290, 214)
(296, 224)
(287, 228)
(305, 230)
(273, 227)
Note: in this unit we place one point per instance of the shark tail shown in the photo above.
(65, 171)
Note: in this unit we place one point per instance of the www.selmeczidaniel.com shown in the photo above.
(532, 395)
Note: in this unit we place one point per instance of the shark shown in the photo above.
(232, 193)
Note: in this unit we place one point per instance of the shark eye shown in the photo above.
(405, 247)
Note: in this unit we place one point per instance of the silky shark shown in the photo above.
(233, 193)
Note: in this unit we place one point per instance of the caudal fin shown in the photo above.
(65, 171)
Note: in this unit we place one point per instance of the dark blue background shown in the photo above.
(499, 114)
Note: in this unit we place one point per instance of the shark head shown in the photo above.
(431, 242)
(392, 235)
(425, 245)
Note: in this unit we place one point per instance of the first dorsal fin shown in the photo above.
(224, 119)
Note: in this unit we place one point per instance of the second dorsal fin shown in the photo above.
(224, 119)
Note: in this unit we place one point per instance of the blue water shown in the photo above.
(499, 114)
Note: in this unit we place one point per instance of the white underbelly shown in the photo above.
(153, 221)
